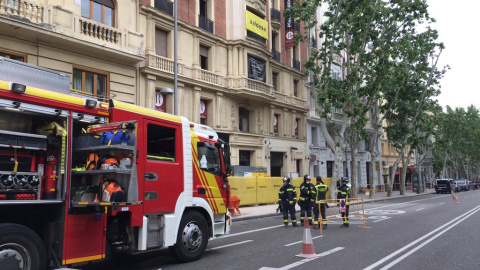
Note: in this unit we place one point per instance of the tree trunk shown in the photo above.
(392, 175)
(373, 155)
(354, 167)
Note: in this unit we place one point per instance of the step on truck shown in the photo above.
(83, 179)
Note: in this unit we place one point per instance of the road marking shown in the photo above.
(406, 202)
(441, 203)
(419, 209)
(394, 254)
(294, 243)
(251, 231)
(229, 245)
(426, 242)
(295, 264)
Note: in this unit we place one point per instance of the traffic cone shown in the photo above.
(307, 248)
(455, 197)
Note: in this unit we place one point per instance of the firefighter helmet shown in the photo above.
(286, 179)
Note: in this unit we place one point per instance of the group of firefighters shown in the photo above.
(311, 197)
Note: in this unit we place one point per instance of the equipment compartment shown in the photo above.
(104, 170)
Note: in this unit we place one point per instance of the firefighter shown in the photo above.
(307, 198)
(344, 193)
(287, 197)
(320, 202)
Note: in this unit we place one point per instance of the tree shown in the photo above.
(366, 40)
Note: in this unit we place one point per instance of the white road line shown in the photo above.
(419, 209)
(229, 245)
(295, 264)
(441, 203)
(426, 242)
(294, 243)
(251, 231)
(418, 240)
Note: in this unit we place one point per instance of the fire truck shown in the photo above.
(83, 179)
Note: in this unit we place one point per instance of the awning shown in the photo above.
(397, 173)
(412, 169)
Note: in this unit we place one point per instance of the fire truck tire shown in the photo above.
(19, 246)
(192, 237)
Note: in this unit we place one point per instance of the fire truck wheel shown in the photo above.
(192, 237)
(21, 248)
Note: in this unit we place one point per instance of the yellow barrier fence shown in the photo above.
(263, 190)
(356, 211)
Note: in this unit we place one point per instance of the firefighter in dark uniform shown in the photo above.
(344, 193)
(287, 197)
(306, 201)
(320, 202)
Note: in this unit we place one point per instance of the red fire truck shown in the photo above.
(82, 179)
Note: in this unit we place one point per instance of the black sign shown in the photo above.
(256, 69)
(289, 42)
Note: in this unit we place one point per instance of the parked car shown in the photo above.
(443, 185)
(461, 185)
(473, 185)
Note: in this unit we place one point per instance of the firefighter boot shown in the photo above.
(286, 224)
(295, 224)
(310, 222)
(324, 226)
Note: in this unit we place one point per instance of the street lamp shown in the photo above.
(175, 51)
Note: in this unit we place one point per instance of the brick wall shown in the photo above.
(145, 2)
(220, 18)
(186, 11)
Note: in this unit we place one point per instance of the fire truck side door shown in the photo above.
(163, 159)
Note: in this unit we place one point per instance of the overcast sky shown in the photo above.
(457, 23)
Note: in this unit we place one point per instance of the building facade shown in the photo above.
(235, 74)
(237, 70)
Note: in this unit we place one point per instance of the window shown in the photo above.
(90, 83)
(203, 57)
(161, 42)
(160, 143)
(203, 17)
(243, 117)
(276, 120)
(295, 88)
(329, 168)
(274, 81)
(203, 112)
(13, 56)
(297, 121)
(99, 10)
(314, 136)
(336, 72)
(209, 158)
(244, 158)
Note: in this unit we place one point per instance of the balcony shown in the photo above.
(209, 77)
(296, 64)
(275, 15)
(70, 30)
(205, 23)
(276, 55)
(163, 64)
(251, 89)
(164, 6)
(256, 37)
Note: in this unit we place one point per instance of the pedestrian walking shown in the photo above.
(306, 200)
(343, 195)
(287, 197)
(320, 203)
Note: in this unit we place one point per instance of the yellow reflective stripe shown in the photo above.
(84, 259)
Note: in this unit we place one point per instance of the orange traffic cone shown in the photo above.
(307, 248)
(455, 197)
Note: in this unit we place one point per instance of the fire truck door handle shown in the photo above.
(151, 177)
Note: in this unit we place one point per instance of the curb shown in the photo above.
(242, 218)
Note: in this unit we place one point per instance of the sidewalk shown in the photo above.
(267, 210)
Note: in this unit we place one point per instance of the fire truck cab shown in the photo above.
(83, 179)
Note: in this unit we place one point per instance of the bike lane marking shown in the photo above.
(462, 217)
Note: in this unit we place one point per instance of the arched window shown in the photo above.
(101, 11)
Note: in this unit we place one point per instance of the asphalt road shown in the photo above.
(423, 232)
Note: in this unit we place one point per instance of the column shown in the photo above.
(241, 56)
(229, 60)
(235, 61)
(196, 104)
(219, 118)
(195, 51)
(150, 95)
(150, 36)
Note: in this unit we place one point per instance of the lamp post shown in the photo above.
(175, 51)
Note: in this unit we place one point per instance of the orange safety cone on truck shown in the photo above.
(307, 247)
